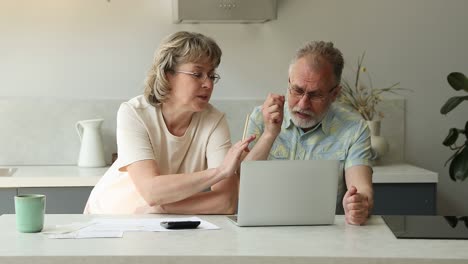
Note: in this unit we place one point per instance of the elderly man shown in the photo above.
(307, 125)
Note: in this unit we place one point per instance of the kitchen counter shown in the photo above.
(338, 243)
(68, 176)
(403, 173)
(68, 188)
(52, 176)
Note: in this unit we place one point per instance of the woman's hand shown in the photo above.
(233, 158)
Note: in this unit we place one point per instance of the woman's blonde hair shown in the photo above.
(178, 48)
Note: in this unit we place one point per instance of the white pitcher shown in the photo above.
(92, 149)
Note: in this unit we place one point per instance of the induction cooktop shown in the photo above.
(428, 226)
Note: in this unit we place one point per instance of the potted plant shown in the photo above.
(363, 97)
(459, 160)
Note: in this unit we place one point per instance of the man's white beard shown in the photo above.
(305, 123)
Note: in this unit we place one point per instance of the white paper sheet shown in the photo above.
(86, 234)
(115, 227)
(63, 229)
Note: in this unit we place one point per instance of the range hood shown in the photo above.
(223, 11)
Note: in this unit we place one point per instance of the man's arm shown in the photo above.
(262, 148)
(359, 199)
(272, 111)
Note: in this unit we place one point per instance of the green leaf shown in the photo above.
(458, 81)
(451, 173)
(457, 150)
(459, 166)
(452, 103)
(451, 137)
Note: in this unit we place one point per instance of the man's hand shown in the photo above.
(356, 207)
(272, 111)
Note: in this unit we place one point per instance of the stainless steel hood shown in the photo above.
(223, 11)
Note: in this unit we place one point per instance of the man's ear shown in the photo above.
(336, 92)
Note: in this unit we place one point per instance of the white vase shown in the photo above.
(379, 144)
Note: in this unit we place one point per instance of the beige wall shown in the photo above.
(101, 49)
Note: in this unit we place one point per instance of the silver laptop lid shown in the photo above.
(288, 192)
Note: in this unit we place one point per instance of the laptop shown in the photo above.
(287, 192)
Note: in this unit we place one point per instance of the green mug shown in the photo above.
(30, 210)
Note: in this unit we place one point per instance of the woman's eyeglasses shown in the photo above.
(202, 76)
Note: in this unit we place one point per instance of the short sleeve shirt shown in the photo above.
(141, 135)
(341, 135)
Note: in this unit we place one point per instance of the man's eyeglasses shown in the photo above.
(298, 93)
(201, 76)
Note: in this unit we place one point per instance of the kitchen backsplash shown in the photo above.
(41, 131)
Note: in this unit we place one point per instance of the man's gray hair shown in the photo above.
(321, 50)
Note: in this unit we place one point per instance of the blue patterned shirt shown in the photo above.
(342, 135)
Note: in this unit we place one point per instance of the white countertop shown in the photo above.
(52, 176)
(403, 173)
(338, 243)
(73, 176)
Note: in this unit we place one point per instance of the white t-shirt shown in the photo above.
(142, 134)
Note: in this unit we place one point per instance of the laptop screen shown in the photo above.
(288, 192)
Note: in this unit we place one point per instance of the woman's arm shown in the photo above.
(222, 199)
(163, 190)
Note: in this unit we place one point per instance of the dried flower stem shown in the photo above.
(362, 98)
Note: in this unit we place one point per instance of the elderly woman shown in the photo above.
(174, 149)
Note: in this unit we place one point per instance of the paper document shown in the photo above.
(115, 227)
(63, 229)
(88, 234)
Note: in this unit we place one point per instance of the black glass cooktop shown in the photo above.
(428, 227)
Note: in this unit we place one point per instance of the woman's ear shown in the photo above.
(169, 74)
